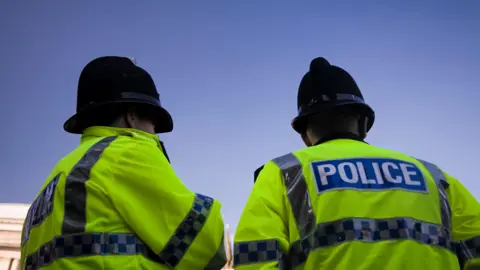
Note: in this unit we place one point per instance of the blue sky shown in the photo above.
(228, 71)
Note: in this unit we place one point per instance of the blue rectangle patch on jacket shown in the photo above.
(372, 174)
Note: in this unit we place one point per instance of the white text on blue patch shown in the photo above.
(368, 174)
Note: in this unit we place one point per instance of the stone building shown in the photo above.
(11, 222)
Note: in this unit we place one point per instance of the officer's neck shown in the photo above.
(339, 135)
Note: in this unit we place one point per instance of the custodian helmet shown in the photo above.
(324, 87)
(109, 81)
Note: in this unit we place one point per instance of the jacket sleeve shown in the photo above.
(465, 223)
(184, 229)
(22, 251)
(261, 236)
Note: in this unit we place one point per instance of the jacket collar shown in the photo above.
(340, 135)
(102, 131)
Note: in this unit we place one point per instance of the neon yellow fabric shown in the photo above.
(267, 215)
(465, 215)
(132, 189)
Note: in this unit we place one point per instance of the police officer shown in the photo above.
(115, 202)
(341, 203)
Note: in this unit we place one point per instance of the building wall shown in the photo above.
(11, 222)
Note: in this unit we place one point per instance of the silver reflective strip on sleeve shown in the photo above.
(261, 251)
(442, 185)
(466, 249)
(187, 231)
(74, 219)
(297, 192)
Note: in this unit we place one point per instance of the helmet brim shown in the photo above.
(77, 123)
(299, 123)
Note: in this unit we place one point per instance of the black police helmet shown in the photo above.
(325, 87)
(112, 81)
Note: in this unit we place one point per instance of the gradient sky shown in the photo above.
(228, 71)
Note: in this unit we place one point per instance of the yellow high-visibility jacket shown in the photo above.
(116, 203)
(345, 204)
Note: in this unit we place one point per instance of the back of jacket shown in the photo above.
(345, 204)
(374, 209)
(115, 203)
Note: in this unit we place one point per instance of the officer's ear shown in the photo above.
(132, 113)
(130, 116)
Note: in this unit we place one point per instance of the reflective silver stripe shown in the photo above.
(467, 249)
(297, 192)
(329, 234)
(442, 185)
(347, 97)
(262, 251)
(327, 98)
(219, 259)
(139, 96)
(187, 231)
(85, 244)
(74, 219)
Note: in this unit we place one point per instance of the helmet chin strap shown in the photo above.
(362, 127)
(164, 151)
